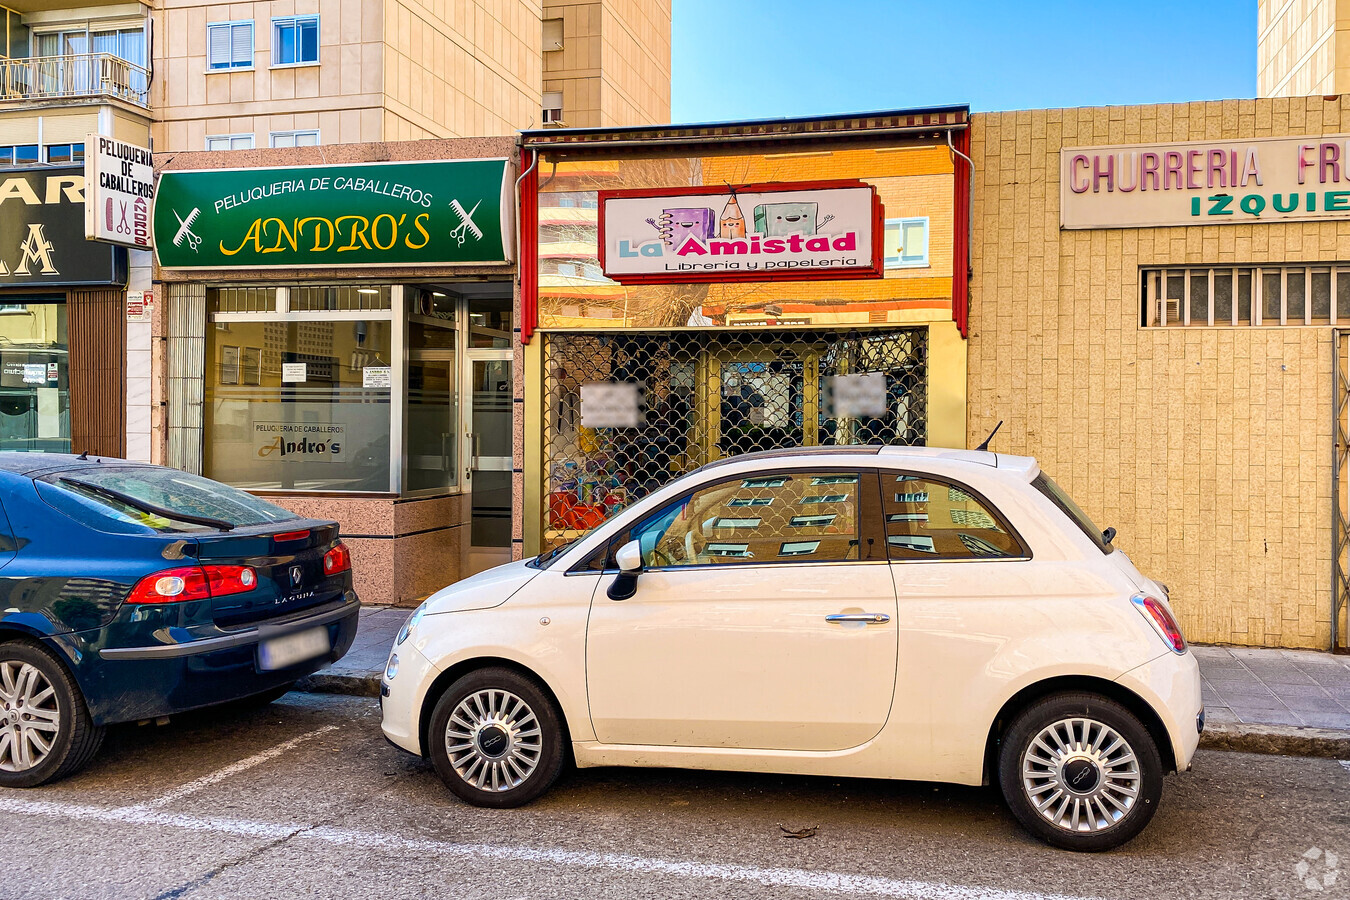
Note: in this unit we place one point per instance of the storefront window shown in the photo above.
(298, 403)
(433, 400)
(34, 376)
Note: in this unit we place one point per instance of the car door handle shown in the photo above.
(868, 618)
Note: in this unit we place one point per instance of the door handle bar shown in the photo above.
(867, 618)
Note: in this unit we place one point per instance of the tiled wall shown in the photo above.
(1208, 448)
(1296, 51)
(614, 68)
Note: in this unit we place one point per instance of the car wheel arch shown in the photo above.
(1028, 695)
(452, 674)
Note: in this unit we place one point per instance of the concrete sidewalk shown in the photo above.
(1256, 700)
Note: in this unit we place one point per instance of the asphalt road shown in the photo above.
(305, 799)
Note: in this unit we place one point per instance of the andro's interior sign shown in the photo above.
(370, 214)
(759, 232)
(42, 233)
(300, 441)
(119, 187)
(1206, 182)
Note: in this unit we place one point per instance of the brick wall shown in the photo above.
(1208, 448)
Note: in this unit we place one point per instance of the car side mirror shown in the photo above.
(629, 558)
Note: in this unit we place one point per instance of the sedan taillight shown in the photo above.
(1161, 618)
(185, 583)
(337, 560)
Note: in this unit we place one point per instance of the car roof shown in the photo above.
(17, 462)
(894, 455)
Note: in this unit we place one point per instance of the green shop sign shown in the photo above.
(372, 214)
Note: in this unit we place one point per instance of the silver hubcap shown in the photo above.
(1081, 775)
(493, 740)
(29, 718)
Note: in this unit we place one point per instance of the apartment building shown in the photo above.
(287, 73)
(1303, 47)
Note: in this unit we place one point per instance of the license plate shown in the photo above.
(280, 652)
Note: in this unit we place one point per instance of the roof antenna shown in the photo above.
(84, 456)
(985, 445)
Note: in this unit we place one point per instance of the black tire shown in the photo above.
(1104, 813)
(77, 738)
(480, 771)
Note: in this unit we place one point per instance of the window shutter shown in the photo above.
(241, 44)
(218, 45)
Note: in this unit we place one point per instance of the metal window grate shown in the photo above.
(1317, 294)
(707, 395)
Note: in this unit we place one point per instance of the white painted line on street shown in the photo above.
(242, 766)
(795, 879)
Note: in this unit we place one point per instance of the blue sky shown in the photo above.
(739, 59)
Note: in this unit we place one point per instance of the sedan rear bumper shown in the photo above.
(247, 636)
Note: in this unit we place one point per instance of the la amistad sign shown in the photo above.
(368, 214)
(757, 232)
(42, 241)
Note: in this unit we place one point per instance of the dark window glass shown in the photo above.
(929, 519)
(1223, 297)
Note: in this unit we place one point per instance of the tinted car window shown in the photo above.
(165, 489)
(792, 517)
(930, 519)
(1046, 485)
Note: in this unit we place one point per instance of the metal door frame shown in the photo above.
(1340, 482)
(470, 457)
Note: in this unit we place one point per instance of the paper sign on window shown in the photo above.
(293, 373)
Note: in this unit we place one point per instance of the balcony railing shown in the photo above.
(74, 76)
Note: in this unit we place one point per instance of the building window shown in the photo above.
(295, 41)
(553, 34)
(229, 142)
(295, 138)
(1245, 295)
(229, 45)
(906, 243)
(34, 379)
(65, 153)
(19, 154)
(553, 106)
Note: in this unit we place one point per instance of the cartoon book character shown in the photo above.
(782, 219)
(678, 225)
(732, 223)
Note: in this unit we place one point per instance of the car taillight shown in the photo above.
(286, 536)
(1161, 617)
(337, 560)
(187, 583)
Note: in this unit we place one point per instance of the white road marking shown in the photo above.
(795, 879)
(242, 766)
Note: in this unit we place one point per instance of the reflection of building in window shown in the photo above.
(914, 497)
(835, 479)
(751, 501)
(825, 498)
(956, 495)
(980, 547)
(716, 549)
(907, 517)
(798, 548)
(736, 523)
(774, 482)
(973, 518)
(916, 542)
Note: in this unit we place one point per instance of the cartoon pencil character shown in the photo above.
(732, 223)
(782, 219)
(678, 225)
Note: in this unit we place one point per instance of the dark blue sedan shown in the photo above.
(130, 592)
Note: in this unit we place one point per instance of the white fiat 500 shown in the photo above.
(936, 615)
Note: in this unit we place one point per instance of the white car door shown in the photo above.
(764, 619)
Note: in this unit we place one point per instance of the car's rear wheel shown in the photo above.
(496, 739)
(45, 729)
(1080, 771)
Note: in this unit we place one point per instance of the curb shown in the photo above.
(1280, 740)
(1284, 740)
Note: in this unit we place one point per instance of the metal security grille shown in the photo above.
(707, 395)
(1340, 489)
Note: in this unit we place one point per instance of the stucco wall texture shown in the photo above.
(1209, 448)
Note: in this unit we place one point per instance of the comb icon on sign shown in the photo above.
(466, 224)
(185, 230)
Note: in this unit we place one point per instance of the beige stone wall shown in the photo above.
(1300, 45)
(341, 96)
(1208, 448)
(614, 68)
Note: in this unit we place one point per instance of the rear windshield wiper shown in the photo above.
(150, 508)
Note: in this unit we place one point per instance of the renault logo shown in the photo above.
(297, 576)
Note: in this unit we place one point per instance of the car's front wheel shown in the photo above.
(496, 739)
(1080, 771)
(45, 729)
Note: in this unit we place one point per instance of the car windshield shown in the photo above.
(155, 498)
(1046, 485)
